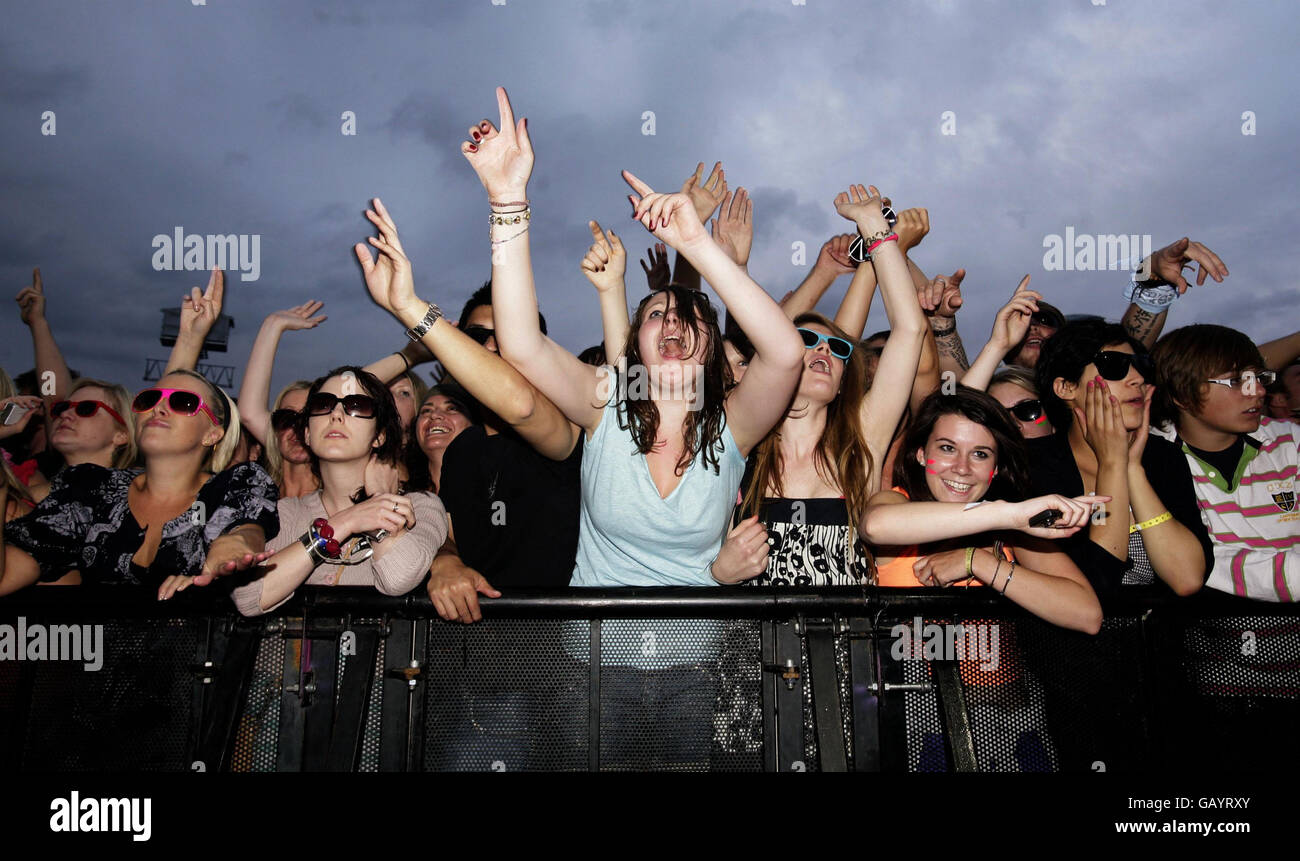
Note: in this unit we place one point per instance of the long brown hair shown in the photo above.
(702, 428)
(843, 459)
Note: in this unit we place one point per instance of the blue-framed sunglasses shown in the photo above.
(840, 348)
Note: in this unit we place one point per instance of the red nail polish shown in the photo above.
(476, 136)
(473, 148)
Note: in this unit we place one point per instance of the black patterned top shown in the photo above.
(85, 524)
(809, 544)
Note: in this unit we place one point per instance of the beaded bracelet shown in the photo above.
(518, 217)
(319, 542)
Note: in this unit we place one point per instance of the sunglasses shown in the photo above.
(1042, 318)
(480, 334)
(1249, 381)
(357, 406)
(840, 348)
(1029, 411)
(180, 401)
(284, 419)
(85, 409)
(1113, 365)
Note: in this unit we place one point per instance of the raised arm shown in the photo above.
(255, 390)
(1159, 282)
(707, 194)
(760, 400)
(657, 273)
(1281, 352)
(832, 262)
(733, 229)
(1009, 326)
(492, 380)
(49, 359)
(503, 161)
(884, 404)
(199, 313)
(604, 265)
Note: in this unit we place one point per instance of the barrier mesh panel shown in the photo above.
(738, 716)
(133, 714)
(259, 722)
(506, 695)
(369, 760)
(1241, 693)
(812, 756)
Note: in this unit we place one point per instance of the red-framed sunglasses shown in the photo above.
(85, 409)
(180, 401)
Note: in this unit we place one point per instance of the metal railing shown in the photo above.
(647, 679)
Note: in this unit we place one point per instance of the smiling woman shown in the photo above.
(358, 529)
(183, 519)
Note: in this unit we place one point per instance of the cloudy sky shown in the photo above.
(226, 118)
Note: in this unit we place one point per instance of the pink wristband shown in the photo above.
(871, 249)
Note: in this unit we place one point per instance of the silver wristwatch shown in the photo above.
(422, 328)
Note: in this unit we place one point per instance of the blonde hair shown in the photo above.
(7, 389)
(274, 459)
(223, 405)
(124, 456)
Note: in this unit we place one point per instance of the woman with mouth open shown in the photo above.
(446, 412)
(358, 529)
(1093, 382)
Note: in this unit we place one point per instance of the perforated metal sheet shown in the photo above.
(259, 723)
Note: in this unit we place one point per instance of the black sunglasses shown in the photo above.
(1028, 411)
(1114, 365)
(357, 406)
(283, 419)
(480, 333)
(840, 348)
(1042, 318)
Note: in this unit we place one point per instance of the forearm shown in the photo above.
(393, 365)
(810, 292)
(1280, 353)
(1060, 600)
(853, 310)
(981, 371)
(1144, 325)
(761, 319)
(909, 523)
(255, 390)
(1110, 532)
(948, 345)
(185, 354)
(284, 573)
(1175, 554)
(49, 359)
(614, 321)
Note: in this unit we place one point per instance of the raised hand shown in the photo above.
(744, 554)
(913, 225)
(950, 298)
(1139, 443)
(709, 196)
(733, 229)
(1102, 424)
(1012, 320)
(31, 407)
(1168, 264)
(834, 256)
(657, 273)
(606, 261)
(389, 278)
(31, 300)
(862, 206)
(298, 317)
(502, 158)
(200, 310)
(670, 217)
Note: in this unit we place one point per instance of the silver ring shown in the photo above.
(396, 507)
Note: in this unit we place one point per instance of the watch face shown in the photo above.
(858, 250)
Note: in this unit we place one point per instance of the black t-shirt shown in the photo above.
(1225, 461)
(1053, 470)
(514, 511)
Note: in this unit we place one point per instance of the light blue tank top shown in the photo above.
(628, 535)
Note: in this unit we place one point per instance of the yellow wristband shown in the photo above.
(970, 561)
(1147, 524)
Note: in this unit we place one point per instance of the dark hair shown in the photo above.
(1067, 353)
(1012, 478)
(1057, 321)
(416, 461)
(701, 429)
(593, 355)
(883, 333)
(733, 333)
(387, 421)
(483, 296)
(1189, 356)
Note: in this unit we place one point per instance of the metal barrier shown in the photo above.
(674, 679)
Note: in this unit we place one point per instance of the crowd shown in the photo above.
(758, 442)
